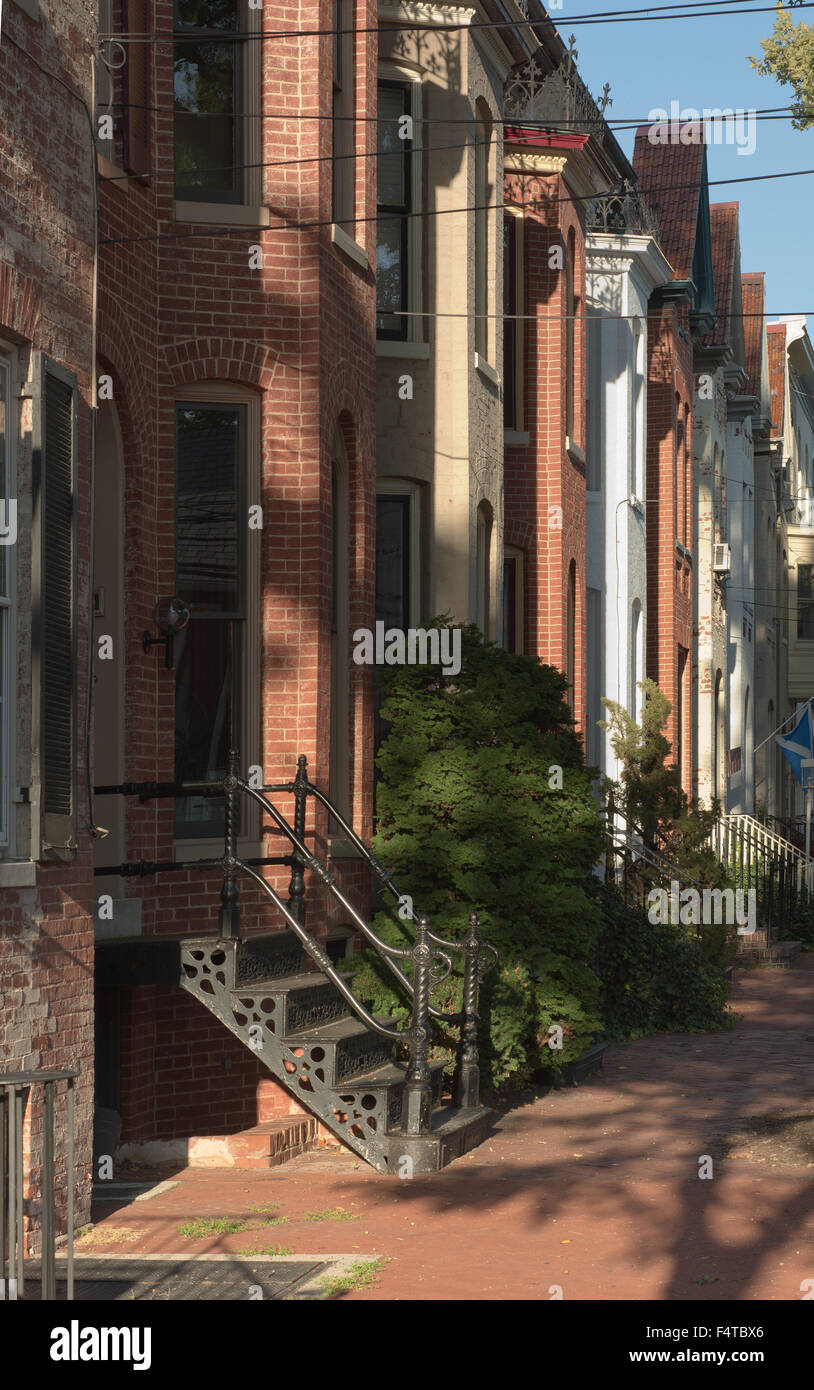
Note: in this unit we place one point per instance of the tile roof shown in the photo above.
(669, 175)
(723, 227)
(776, 340)
(753, 290)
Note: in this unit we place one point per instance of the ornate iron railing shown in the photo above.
(430, 954)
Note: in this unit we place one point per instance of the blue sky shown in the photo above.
(705, 62)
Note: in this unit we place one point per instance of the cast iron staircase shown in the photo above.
(369, 1079)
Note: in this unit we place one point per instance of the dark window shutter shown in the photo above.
(57, 657)
(137, 93)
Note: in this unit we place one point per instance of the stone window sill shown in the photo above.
(222, 214)
(351, 248)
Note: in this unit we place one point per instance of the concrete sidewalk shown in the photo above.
(594, 1191)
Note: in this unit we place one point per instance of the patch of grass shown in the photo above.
(107, 1235)
(362, 1275)
(269, 1250)
(330, 1214)
(211, 1226)
(268, 1216)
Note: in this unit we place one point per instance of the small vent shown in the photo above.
(57, 601)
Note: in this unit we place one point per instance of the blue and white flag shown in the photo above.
(799, 744)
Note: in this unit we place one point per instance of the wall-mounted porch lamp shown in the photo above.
(171, 615)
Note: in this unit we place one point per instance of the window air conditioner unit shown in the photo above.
(721, 558)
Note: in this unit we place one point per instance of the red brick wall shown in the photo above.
(669, 574)
(544, 500)
(300, 331)
(46, 259)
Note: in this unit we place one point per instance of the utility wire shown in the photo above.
(408, 148)
(700, 9)
(215, 230)
(612, 122)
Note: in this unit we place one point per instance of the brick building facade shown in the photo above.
(47, 237)
(237, 329)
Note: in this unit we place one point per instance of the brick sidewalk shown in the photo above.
(594, 1189)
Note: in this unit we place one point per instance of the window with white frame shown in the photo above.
(398, 198)
(8, 529)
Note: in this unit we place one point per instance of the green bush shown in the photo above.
(485, 802)
(656, 977)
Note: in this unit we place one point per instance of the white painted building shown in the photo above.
(623, 269)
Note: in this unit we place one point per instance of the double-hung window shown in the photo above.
(805, 603)
(209, 85)
(344, 138)
(210, 577)
(394, 205)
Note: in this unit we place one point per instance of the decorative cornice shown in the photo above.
(424, 13)
(517, 161)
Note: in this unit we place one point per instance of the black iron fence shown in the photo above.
(17, 1092)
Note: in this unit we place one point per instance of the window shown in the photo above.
(394, 203)
(805, 603)
(594, 669)
(512, 323)
(636, 672)
(483, 151)
(54, 609)
(483, 569)
(718, 736)
(570, 634)
(209, 79)
(8, 528)
(570, 335)
(138, 87)
(340, 530)
(344, 142)
(513, 595)
(397, 553)
(398, 568)
(682, 675)
(217, 575)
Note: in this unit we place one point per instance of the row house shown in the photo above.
(797, 453)
(47, 393)
(559, 156)
(625, 267)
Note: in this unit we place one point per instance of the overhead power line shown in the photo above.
(355, 155)
(214, 230)
(699, 9)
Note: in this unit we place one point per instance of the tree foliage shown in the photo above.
(788, 55)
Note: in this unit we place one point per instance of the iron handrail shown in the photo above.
(378, 868)
(389, 954)
(324, 961)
